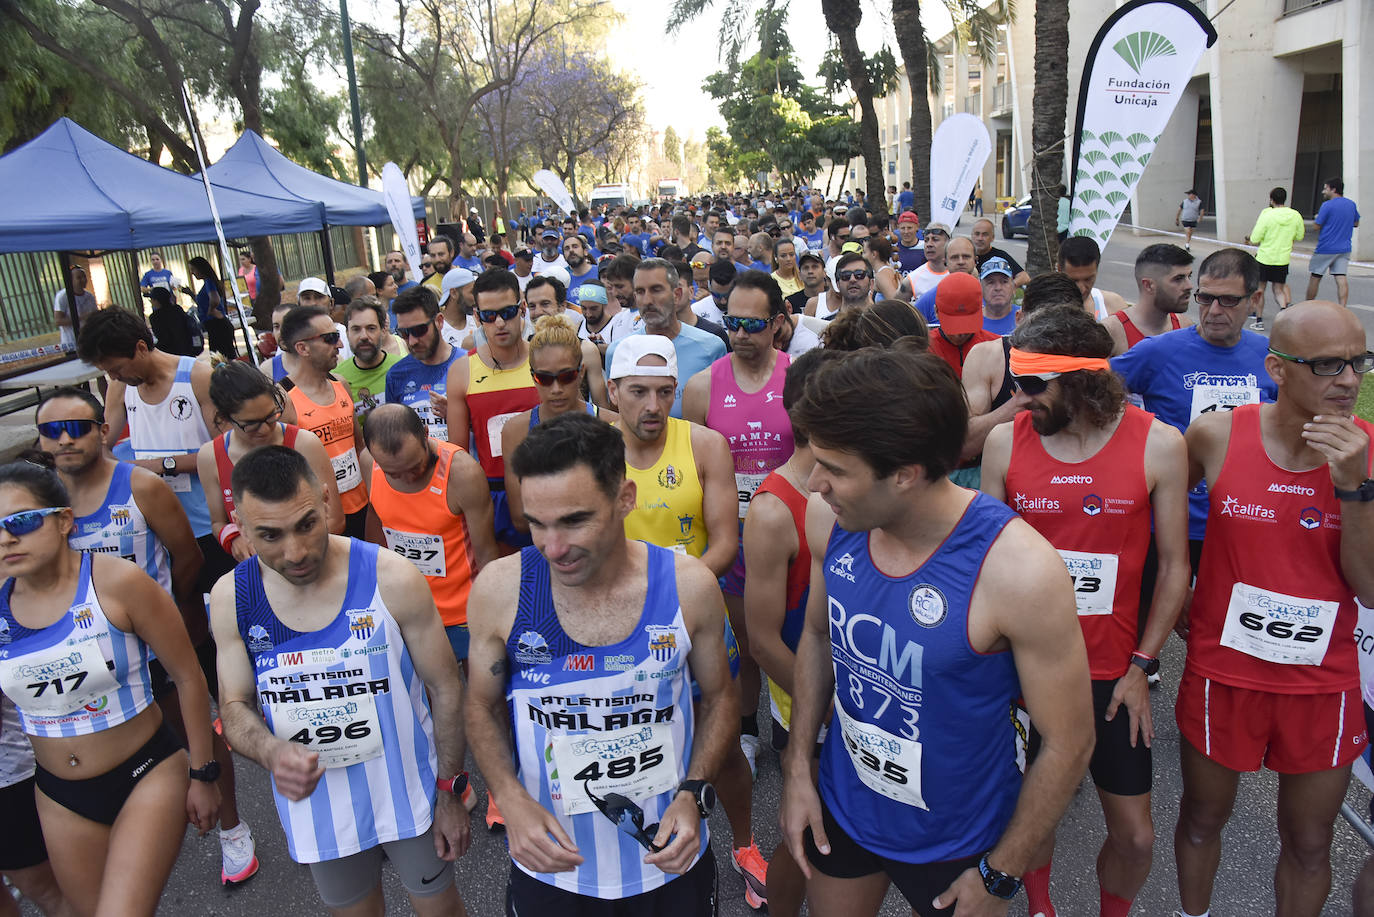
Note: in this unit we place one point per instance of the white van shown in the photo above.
(612, 195)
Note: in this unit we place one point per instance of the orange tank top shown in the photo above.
(333, 424)
(420, 527)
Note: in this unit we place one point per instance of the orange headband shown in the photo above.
(1025, 363)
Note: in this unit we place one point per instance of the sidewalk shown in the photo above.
(1207, 232)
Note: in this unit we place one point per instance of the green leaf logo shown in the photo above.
(1142, 159)
(1105, 176)
(1084, 175)
(1088, 195)
(1130, 178)
(1097, 216)
(1093, 157)
(1122, 158)
(1138, 48)
(1137, 139)
(1110, 137)
(1116, 197)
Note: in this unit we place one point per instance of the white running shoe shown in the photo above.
(239, 860)
(750, 746)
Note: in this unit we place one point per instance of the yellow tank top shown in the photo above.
(668, 497)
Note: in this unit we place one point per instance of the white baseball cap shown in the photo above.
(630, 350)
(314, 285)
(455, 279)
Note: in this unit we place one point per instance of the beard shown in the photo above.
(1048, 420)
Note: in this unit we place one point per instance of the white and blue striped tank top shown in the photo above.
(615, 718)
(119, 527)
(349, 692)
(923, 760)
(174, 426)
(77, 676)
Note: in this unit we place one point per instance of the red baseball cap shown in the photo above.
(959, 304)
(909, 216)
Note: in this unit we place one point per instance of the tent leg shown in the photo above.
(327, 248)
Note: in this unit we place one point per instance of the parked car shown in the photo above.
(1014, 219)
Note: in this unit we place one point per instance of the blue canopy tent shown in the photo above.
(253, 164)
(67, 191)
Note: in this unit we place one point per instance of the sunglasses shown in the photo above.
(562, 377)
(329, 337)
(852, 275)
(31, 520)
(626, 815)
(1034, 385)
(1320, 366)
(748, 325)
(506, 314)
(415, 331)
(1226, 302)
(52, 429)
(253, 426)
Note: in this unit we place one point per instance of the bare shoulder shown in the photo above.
(395, 575)
(498, 585)
(820, 522)
(705, 439)
(1020, 567)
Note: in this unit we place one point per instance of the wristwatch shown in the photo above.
(1148, 664)
(702, 792)
(1362, 494)
(169, 464)
(998, 884)
(207, 774)
(457, 784)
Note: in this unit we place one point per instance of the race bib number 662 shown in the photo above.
(1286, 629)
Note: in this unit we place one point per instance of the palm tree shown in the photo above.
(1049, 110)
(973, 21)
(842, 17)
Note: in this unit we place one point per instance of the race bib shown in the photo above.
(346, 471)
(59, 680)
(1209, 398)
(747, 484)
(438, 429)
(180, 483)
(1286, 629)
(887, 764)
(425, 551)
(494, 427)
(342, 732)
(638, 762)
(1094, 581)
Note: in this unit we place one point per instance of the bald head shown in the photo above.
(390, 426)
(1316, 323)
(959, 255)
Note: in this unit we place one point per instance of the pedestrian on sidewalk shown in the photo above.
(1276, 229)
(1190, 212)
(1336, 222)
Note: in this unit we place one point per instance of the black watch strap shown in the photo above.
(703, 794)
(207, 774)
(1362, 494)
(998, 884)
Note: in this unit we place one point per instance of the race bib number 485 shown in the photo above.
(1280, 628)
(638, 762)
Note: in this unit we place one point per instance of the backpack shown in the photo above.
(194, 332)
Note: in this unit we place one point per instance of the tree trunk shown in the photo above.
(911, 42)
(842, 17)
(269, 281)
(1049, 110)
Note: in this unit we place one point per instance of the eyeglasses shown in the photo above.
(253, 426)
(1226, 302)
(52, 429)
(505, 313)
(626, 815)
(415, 331)
(562, 376)
(329, 337)
(720, 298)
(747, 325)
(1330, 366)
(843, 276)
(31, 520)
(1034, 385)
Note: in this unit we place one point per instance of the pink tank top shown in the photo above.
(754, 424)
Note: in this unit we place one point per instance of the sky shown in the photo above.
(672, 68)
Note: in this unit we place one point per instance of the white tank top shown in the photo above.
(119, 527)
(173, 426)
(1099, 305)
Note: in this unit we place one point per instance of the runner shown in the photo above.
(905, 552)
(686, 500)
(883, 325)
(490, 386)
(558, 366)
(1089, 473)
(131, 513)
(1276, 229)
(928, 274)
(545, 296)
(351, 780)
(1271, 632)
(587, 621)
(603, 327)
(113, 792)
(365, 371)
(23, 855)
(959, 308)
(251, 407)
(853, 280)
(740, 397)
(324, 406)
(420, 379)
(1164, 285)
(775, 600)
(430, 504)
(1080, 257)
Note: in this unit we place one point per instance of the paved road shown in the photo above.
(1244, 886)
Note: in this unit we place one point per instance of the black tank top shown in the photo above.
(1005, 392)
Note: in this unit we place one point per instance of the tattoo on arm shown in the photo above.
(498, 668)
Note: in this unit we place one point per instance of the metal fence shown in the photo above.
(973, 103)
(1001, 97)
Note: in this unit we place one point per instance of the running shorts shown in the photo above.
(348, 880)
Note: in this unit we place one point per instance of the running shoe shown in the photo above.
(1257, 324)
(750, 746)
(238, 859)
(750, 864)
(494, 819)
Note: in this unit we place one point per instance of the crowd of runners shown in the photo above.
(576, 509)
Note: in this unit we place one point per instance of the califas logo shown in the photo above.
(1026, 504)
(1072, 479)
(1292, 489)
(1230, 506)
(844, 566)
